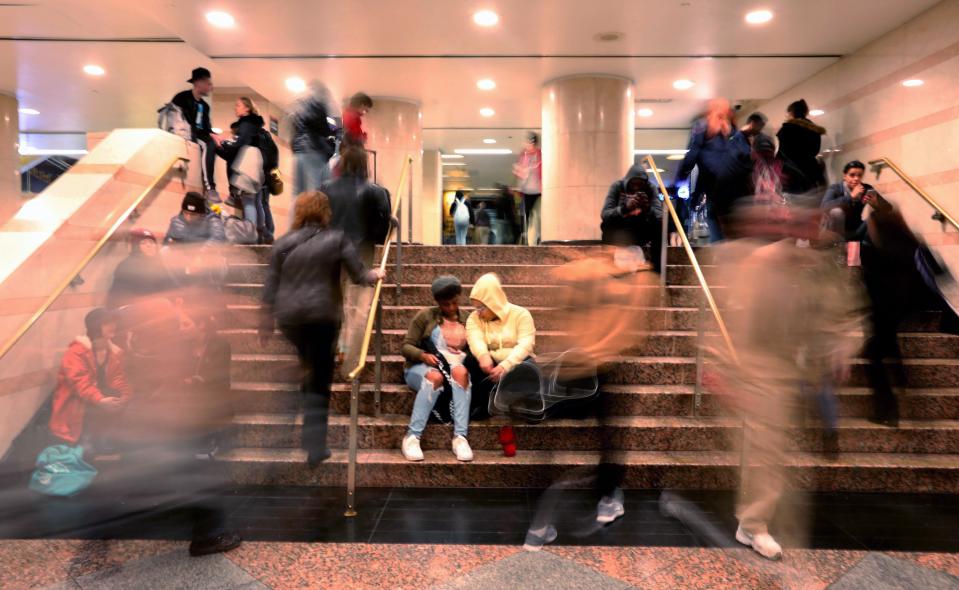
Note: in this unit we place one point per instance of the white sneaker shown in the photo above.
(762, 543)
(610, 508)
(535, 540)
(411, 448)
(461, 448)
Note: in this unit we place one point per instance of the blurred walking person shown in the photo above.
(462, 212)
(800, 141)
(353, 133)
(506, 210)
(313, 141)
(529, 172)
(303, 295)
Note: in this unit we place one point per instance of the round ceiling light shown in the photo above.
(220, 19)
(489, 141)
(485, 18)
(486, 84)
(645, 112)
(295, 84)
(487, 112)
(759, 17)
(94, 70)
(683, 84)
(608, 36)
(817, 113)
(675, 157)
(28, 111)
(912, 83)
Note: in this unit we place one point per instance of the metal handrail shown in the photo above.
(707, 292)
(69, 278)
(371, 323)
(878, 164)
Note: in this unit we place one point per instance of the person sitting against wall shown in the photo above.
(141, 274)
(90, 384)
(632, 214)
(845, 203)
(501, 335)
(435, 353)
(195, 224)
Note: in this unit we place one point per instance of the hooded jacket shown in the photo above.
(799, 143)
(246, 129)
(511, 337)
(614, 211)
(361, 210)
(209, 229)
(77, 387)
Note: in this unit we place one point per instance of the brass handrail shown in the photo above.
(68, 279)
(365, 347)
(878, 164)
(693, 260)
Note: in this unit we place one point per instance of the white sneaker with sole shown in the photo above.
(461, 448)
(610, 508)
(411, 448)
(536, 540)
(762, 543)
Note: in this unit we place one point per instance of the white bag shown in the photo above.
(170, 118)
(247, 171)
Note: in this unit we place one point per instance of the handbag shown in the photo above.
(61, 471)
(274, 182)
(247, 170)
(239, 230)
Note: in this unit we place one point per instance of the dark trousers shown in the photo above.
(891, 295)
(208, 156)
(638, 232)
(316, 345)
(265, 216)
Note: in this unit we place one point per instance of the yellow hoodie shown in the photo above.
(511, 337)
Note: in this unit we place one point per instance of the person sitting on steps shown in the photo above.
(435, 352)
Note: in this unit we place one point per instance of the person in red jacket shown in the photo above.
(91, 378)
(353, 133)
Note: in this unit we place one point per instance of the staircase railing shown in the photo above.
(69, 278)
(374, 321)
(940, 215)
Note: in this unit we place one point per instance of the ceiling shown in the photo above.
(425, 50)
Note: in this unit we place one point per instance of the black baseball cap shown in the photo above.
(199, 74)
(194, 202)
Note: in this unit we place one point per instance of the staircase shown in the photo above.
(650, 392)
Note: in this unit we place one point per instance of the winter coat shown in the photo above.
(838, 197)
(311, 129)
(303, 278)
(353, 127)
(138, 276)
(189, 105)
(246, 131)
(361, 210)
(420, 330)
(619, 229)
(511, 337)
(725, 166)
(209, 229)
(77, 387)
(799, 143)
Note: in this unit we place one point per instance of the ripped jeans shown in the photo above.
(426, 396)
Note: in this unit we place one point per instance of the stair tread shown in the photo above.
(570, 458)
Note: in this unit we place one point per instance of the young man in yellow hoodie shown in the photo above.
(500, 335)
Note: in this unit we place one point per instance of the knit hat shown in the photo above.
(446, 287)
(194, 202)
(96, 319)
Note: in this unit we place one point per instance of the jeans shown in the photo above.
(825, 394)
(251, 209)
(266, 215)
(531, 213)
(311, 169)
(315, 345)
(460, 229)
(426, 398)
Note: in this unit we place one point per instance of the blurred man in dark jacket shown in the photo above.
(313, 143)
(632, 214)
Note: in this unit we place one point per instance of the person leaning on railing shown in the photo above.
(304, 296)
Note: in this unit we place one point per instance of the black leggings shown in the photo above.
(316, 345)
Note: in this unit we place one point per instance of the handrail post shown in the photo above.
(398, 275)
(351, 465)
(409, 202)
(378, 367)
(700, 337)
(664, 244)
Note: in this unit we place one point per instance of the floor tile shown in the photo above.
(881, 572)
(173, 571)
(534, 571)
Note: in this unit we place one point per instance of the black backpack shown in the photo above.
(271, 154)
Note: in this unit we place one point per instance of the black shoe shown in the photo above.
(888, 418)
(316, 457)
(218, 544)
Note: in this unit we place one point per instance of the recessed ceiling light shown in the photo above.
(912, 83)
(489, 140)
(294, 84)
(645, 112)
(94, 70)
(759, 17)
(454, 163)
(816, 113)
(487, 112)
(683, 84)
(486, 84)
(484, 151)
(451, 156)
(675, 157)
(26, 111)
(485, 18)
(220, 19)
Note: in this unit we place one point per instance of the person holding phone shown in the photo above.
(845, 203)
(632, 214)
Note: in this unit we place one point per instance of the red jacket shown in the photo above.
(353, 126)
(77, 387)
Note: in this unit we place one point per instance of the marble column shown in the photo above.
(9, 157)
(587, 142)
(431, 202)
(394, 130)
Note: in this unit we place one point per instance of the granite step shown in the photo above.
(551, 254)
(661, 343)
(620, 400)
(629, 433)
(850, 472)
(625, 370)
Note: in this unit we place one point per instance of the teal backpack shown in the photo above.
(61, 471)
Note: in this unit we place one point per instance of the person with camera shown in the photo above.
(845, 202)
(632, 214)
